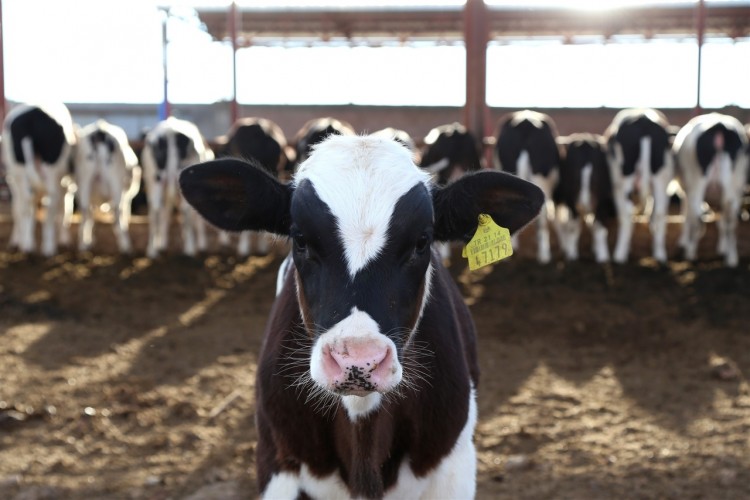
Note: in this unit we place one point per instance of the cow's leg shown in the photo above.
(727, 225)
(542, 222)
(455, 476)
(224, 239)
(693, 222)
(273, 482)
(51, 217)
(625, 211)
(568, 229)
(86, 226)
(199, 223)
(243, 243)
(658, 221)
(23, 206)
(599, 241)
(121, 224)
(263, 241)
(190, 223)
(156, 211)
(67, 209)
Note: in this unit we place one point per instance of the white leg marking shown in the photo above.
(454, 478)
(284, 485)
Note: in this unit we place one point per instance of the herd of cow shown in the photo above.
(597, 180)
(367, 375)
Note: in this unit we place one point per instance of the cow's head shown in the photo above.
(362, 218)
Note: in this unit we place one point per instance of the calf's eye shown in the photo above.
(423, 243)
(300, 244)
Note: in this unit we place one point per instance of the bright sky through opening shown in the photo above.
(96, 51)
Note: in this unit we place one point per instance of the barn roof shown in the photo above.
(373, 25)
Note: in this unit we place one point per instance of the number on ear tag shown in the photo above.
(490, 244)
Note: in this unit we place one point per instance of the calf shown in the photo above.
(314, 131)
(106, 170)
(450, 151)
(37, 145)
(169, 147)
(712, 159)
(368, 370)
(584, 189)
(526, 146)
(262, 141)
(641, 166)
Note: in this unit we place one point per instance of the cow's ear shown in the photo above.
(237, 196)
(511, 202)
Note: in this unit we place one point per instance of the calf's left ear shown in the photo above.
(236, 196)
(511, 202)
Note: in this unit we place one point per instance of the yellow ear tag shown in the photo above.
(490, 244)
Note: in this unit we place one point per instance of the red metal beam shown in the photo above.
(475, 37)
(233, 21)
(700, 30)
(3, 102)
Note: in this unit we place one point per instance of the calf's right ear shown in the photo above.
(236, 196)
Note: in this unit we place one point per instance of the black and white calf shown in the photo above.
(449, 152)
(314, 131)
(526, 146)
(712, 166)
(262, 141)
(106, 170)
(169, 147)
(366, 378)
(584, 190)
(37, 145)
(641, 166)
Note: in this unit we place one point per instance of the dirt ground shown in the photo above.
(125, 378)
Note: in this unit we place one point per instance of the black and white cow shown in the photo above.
(37, 145)
(526, 146)
(641, 165)
(169, 147)
(368, 370)
(262, 141)
(712, 166)
(449, 152)
(106, 170)
(584, 190)
(314, 131)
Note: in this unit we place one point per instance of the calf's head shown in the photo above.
(362, 218)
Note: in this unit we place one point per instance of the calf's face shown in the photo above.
(362, 218)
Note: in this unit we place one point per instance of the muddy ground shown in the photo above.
(125, 378)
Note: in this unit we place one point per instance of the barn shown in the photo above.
(137, 375)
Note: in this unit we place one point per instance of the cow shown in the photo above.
(526, 146)
(584, 190)
(450, 151)
(367, 375)
(262, 141)
(712, 165)
(313, 132)
(641, 166)
(38, 140)
(169, 147)
(106, 170)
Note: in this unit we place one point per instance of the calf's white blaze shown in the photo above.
(361, 179)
